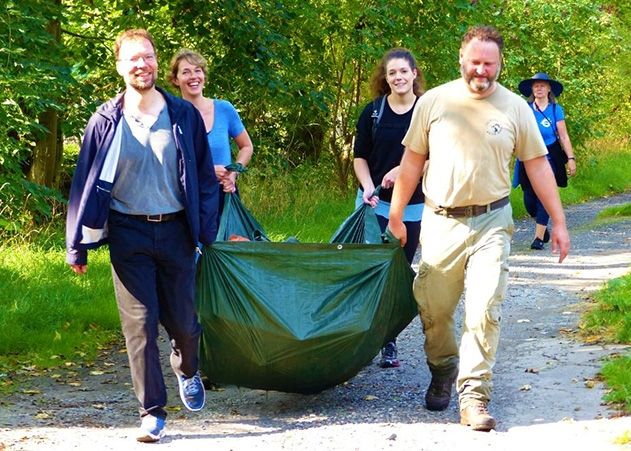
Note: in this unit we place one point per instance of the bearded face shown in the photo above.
(480, 65)
(137, 64)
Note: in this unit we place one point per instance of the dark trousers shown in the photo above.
(533, 205)
(154, 280)
(413, 233)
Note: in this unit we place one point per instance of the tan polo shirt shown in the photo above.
(471, 142)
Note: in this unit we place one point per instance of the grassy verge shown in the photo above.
(47, 314)
(609, 319)
(598, 174)
(300, 203)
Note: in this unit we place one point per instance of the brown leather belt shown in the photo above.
(159, 218)
(469, 211)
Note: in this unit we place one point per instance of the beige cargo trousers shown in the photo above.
(470, 255)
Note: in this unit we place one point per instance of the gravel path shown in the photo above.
(545, 394)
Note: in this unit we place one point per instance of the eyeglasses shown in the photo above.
(150, 58)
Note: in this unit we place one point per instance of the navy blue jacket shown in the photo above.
(90, 193)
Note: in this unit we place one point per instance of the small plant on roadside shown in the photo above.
(617, 375)
(610, 315)
(619, 211)
(610, 318)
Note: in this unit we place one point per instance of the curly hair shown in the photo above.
(378, 84)
(185, 54)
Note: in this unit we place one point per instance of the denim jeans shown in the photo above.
(413, 232)
(153, 270)
(533, 205)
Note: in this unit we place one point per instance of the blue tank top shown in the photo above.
(227, 124)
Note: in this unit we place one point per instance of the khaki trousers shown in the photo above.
(467, 255)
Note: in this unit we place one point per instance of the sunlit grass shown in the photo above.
(46, 310)
(618, 211)
(301, 203)
(610, 319)
(617, 374)
(610, 315)
(599, 173)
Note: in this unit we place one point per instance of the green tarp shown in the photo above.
(297, 317)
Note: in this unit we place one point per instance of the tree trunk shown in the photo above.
(46, 157)
(49, 146)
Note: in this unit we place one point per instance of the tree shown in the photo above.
(33, 79)
(297, 71)
(49, 147)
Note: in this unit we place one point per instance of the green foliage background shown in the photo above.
(297, 71)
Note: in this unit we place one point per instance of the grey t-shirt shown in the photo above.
(146, 179)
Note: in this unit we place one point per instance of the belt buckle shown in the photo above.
(153, 218)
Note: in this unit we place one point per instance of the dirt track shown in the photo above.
(545, 397)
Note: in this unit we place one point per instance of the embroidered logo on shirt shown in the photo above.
(493, 127)
(545, 123)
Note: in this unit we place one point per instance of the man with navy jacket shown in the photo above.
(145, 185)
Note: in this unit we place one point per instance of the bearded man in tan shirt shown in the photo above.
(472, 126)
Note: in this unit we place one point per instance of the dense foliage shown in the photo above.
(296, 70)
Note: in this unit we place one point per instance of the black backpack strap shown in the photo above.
(376, 115)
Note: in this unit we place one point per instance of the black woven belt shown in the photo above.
(471, 210)
(159, 218)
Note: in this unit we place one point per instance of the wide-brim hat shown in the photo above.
(525, 86)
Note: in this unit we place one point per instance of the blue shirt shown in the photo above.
(227, 124)
(550, 113)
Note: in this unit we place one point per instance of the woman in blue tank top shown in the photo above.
(188, 74)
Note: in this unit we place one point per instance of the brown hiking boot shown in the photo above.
(438, 393)
(476, 415)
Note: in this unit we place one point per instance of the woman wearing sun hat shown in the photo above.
(542, 92)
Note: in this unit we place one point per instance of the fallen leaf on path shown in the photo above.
(370, 397)
(591, 339)
(523, 320)
(32, 391)
(173, 408)
(97, 373)
(590, 383)
(99, 406)
(75, 384)
(43, 416)
(624, 439)
(532, 370)
(526, 387)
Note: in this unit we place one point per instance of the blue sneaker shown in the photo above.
(151, 429)
(192, 392)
